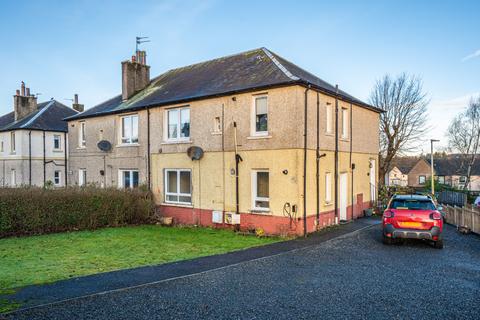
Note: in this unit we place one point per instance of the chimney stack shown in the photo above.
(135, 75)
(77, 106)
(23, 103)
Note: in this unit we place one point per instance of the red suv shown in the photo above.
(412, 217)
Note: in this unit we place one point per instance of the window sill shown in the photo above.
(259, 137)
(331, 134)
(177, 142)
(57, 150)
(260, 211)
(328, 204)
(126, 145)
(81, 148)
(214, 133)
(174, 204)
(344, 139)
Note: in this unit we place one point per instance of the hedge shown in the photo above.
(26, 211)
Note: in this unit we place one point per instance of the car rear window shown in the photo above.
(412, 204)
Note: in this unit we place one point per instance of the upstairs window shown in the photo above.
(57, 142)
(12, 142)
(178, 124)
(260, 115)
(129, 129)
(345, 123)
(441, 179)
(128, 179)
(81, 135)
(261, 190)
(329, 126)
(178, 186)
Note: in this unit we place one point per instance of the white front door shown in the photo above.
(373, 186)
(343, 196)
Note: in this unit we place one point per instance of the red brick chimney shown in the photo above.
(23, 102)
(135, 75)
(77, 106)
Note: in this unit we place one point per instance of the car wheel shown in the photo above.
(438, 244)
(387, 240)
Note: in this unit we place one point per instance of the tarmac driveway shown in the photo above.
(353, 276)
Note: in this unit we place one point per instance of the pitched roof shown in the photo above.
(455, 164)
(251, 70)
(48, 116)
(405, 164)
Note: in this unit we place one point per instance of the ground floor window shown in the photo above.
(82, 177)
(128, 179)
(422, 179)
(178, 186)
(260, 190)
(441, 179)
(57, 176)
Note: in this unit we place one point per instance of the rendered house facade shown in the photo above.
(33, 138)
(265, 128)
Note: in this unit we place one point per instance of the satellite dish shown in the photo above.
(104, 145)
(195, 153)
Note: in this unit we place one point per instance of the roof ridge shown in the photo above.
(39, 113)
(279, 65)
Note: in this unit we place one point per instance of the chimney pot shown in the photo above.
(75, 99)
(27, 92)
(23, 89)
(18, 92)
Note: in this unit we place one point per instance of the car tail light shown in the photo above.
(388, 214)
(435, 216)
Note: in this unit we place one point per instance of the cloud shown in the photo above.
(457, 103)
(476, 54)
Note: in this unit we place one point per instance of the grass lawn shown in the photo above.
(40, 259)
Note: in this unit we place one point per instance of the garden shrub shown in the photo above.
(35, 210)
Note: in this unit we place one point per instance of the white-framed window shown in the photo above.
(128, 179)
(260, 190)
(329, 125)
(422, 179)
(178, 186)
(13, 178)
(57, 177)
(82, 177)
(260, 116)
(441, 179)
(462, 179)
(12, 142)
(328, 187)
(217, 125)
(129, 129)
(82, 141)
(345, 123)
(57, 142)
(177, 124)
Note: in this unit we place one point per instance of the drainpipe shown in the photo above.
(305, 164)
(44, 161)
(317, 158)
(148, 151)
(30, 158)
(238, 158)
(351, 150)
(336, 154)
(66, 158)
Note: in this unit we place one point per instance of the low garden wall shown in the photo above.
(25, 211)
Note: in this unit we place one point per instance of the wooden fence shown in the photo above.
(467, 216)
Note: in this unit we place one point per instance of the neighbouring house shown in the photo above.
(452, 170)
(398, 175)
(249, 139)
(33, 142)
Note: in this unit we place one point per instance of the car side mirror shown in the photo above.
(439, 208)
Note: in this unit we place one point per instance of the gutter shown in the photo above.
(30, 158)
(148, 152)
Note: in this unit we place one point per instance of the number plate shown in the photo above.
(411, 224)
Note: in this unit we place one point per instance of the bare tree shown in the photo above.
(404, 121)
(464, 137)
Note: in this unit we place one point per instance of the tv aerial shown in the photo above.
(139, 41)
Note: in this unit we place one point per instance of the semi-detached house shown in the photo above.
(248, 139)
(33, 142)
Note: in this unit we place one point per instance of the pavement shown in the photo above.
(347, 275)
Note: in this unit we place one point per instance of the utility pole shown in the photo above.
(431, 165)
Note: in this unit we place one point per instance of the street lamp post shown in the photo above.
(431, 165)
